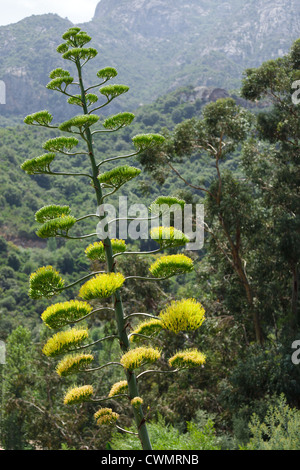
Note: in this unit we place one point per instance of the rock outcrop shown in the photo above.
(156, 45)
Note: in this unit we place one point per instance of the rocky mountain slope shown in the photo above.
(156, 45)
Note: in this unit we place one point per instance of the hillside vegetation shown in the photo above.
(231, 146)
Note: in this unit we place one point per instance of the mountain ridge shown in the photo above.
(156, 46)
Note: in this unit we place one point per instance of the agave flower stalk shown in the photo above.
(57, 221)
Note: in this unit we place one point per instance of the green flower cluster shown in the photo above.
(118, 176)
(56, 221)
(45, 282)
(56, 227)
(118, 121)
(60, 144)
(38, 165)
(81, 122)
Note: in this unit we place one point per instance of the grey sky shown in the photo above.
(77, 11)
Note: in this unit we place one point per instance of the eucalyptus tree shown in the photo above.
(271, 159)
(72, 341)
(214, 138)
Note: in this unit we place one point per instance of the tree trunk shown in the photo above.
(243, 277)
(295, 297)
(240, 270)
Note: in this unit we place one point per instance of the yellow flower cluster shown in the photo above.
(118, 246)
(45, 282)
(71, 364)
(171, 265)
(136, 402)
(137, 357)
(96, 250)
(168, 237)
(182, 315)
(62, 313)
(105, 416)
(62, 341)
(148, 328)
(187, 359)
(78, 395)
(118, 387)
(101, 286)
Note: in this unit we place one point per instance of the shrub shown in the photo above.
(167, 437)
(280, 429)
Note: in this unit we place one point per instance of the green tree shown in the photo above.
(17, 374)
(100, 285)
(214, 138)
(271, 157)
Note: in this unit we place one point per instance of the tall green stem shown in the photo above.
(119, 312)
